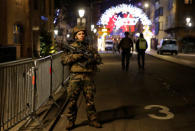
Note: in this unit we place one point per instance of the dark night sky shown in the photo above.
(72, 6)
(104, 5)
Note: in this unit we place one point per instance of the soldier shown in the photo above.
(82, 69)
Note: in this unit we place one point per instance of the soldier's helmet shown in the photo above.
(76, 29)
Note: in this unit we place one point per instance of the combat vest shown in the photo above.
(142, 43)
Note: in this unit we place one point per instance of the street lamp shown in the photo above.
(81, 13)
(55, 32)
(188, 22)
(188, 19)
(81, 21)
(146, 5)
(68, 35)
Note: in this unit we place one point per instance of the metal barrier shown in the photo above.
(43, 78)
(17, 92)
(26, 85)
(57, 71)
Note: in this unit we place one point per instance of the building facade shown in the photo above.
(21, 22)
(169, 20)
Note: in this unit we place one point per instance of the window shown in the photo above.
(169, 42)
(43, 7)
(17, 34)
(157, 28)
(170, 4)
(161, 11)
(161, 28)
(50, 7)
(18, 3)
(187, 1)
(156, 14)
(35, 4)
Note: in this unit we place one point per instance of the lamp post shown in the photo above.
(81, 21)
(146, 5)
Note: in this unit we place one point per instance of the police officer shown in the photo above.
(81, 69)
(141, 46)
(126, 44)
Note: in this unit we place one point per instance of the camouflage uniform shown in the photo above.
(81, 80)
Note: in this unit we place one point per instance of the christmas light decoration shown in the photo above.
(123, 18)
(136, 13)
(147, 35)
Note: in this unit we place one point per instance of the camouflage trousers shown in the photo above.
(81, 83)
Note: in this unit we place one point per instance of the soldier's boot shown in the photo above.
(95, 124)
(70, 125)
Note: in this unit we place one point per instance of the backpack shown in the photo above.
(142, 44)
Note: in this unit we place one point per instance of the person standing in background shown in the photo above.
(126, 44)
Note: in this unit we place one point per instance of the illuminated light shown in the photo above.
(139, 4)
(126, 9)
(188, 19)
(146, 5)
(101, 44)
(81, 12)
(68, 35)
(56, 32)
(58, 10)
(33, 80)
(104, 30)
(190, 24)
(44, 18)
(147, 35)
(95, 30)
(125, 21)
(92, 27)
(104, 34)
(55, 20)
(137, 34)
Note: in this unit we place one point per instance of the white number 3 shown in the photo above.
(164, 110)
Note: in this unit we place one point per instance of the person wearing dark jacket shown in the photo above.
(126, 44)
(141, 46)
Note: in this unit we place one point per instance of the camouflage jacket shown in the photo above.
(78, 63)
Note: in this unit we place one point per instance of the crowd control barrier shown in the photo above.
(26, 85)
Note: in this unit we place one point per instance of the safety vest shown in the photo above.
(142, 43)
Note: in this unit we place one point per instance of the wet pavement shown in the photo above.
(160, 98)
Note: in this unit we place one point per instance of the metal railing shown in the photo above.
(27, 85)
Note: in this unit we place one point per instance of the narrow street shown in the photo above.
(157, 99)
(48, 45)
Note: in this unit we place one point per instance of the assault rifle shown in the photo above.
(82, 50)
